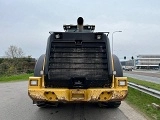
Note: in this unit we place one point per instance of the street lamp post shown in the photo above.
(112, 39)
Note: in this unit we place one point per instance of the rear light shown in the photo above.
(33, 82)
(98, 36)
(122, 83)
(41, 72)
(114, 72)
(58, 35)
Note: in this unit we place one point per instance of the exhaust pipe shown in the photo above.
(80, 24)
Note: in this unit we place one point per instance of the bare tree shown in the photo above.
(14, 59)
(15, 62)
(14, 52)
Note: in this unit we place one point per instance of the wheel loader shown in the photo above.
(77, 67)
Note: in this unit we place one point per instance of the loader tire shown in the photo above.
(117, 66)
(42, 106)
(114, 104)
(39, 65)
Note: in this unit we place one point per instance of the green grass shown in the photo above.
(143, 102)
(145, 83)
(20, 77)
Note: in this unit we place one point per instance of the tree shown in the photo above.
(14, 61)
(14, 52)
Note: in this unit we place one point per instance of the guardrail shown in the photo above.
(152, 92)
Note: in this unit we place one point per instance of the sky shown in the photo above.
(26, 23)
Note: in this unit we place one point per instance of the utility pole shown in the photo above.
(112, 39)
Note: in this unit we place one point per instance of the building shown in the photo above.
(147, 62)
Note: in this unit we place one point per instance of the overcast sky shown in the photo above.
(26, 23)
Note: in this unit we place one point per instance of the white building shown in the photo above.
(147, 61)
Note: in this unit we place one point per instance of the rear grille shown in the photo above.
(68, 61)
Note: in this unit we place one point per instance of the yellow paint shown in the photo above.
(112, 71)
(50, 96)
(44, 62)
(70, 95)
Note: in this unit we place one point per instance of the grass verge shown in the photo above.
(145, 83)
(20, 77)
(143, 102)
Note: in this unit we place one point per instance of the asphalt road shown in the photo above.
(16, 105)
(151, 76)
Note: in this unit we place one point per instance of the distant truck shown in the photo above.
(128, 68)
(78, 67)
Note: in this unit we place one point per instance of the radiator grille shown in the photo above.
(68, 61)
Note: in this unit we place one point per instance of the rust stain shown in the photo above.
(37, 95)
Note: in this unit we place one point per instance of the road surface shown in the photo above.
(16, 105)
(151, 76)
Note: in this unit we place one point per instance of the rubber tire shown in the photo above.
(39, 65)
(114, 104)
(117, 66)
(47, 104)
(42, 106)
(109, 104)
(119, 73)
